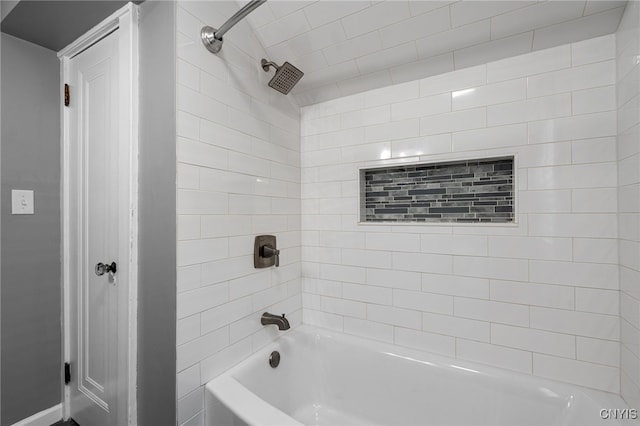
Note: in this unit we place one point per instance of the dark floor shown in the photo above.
(69, 422)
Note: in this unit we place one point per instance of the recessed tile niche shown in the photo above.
(476, 191)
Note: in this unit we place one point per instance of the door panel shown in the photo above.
(93, 132)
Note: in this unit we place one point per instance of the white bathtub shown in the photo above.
(327, 378)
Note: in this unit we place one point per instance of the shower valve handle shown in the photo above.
(268, 251)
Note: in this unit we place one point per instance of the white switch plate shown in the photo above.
(21, 201)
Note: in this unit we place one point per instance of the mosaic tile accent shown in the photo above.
(460, 191)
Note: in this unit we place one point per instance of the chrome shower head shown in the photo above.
(286, 76)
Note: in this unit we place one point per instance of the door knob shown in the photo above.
(101, 268)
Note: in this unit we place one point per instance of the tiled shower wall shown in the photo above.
(238, 151)
(539, 297)
(628, 87)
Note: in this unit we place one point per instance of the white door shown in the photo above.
(94, 231)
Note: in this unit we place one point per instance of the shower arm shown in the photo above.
(266, 64)
(212, 37)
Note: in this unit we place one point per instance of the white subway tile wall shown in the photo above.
(628, 96)
(238, 176)
(555, 295)
(539, 296)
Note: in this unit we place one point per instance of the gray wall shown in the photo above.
(6, 6)
(30, 316)
(30, 309)
(157, 216)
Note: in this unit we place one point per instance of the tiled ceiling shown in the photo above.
(345, 47)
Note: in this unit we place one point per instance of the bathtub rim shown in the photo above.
(246, 405)
(237, 397)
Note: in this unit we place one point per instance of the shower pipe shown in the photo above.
(212, 37)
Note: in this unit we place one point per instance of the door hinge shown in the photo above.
(67, 373)
(67, 95)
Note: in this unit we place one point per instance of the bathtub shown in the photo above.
(328, 378)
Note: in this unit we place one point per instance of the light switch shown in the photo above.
(21, 201)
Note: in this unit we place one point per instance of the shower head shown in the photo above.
(286, 76)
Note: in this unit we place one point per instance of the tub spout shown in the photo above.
(280, 321)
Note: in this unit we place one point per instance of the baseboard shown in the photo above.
(45, 417)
